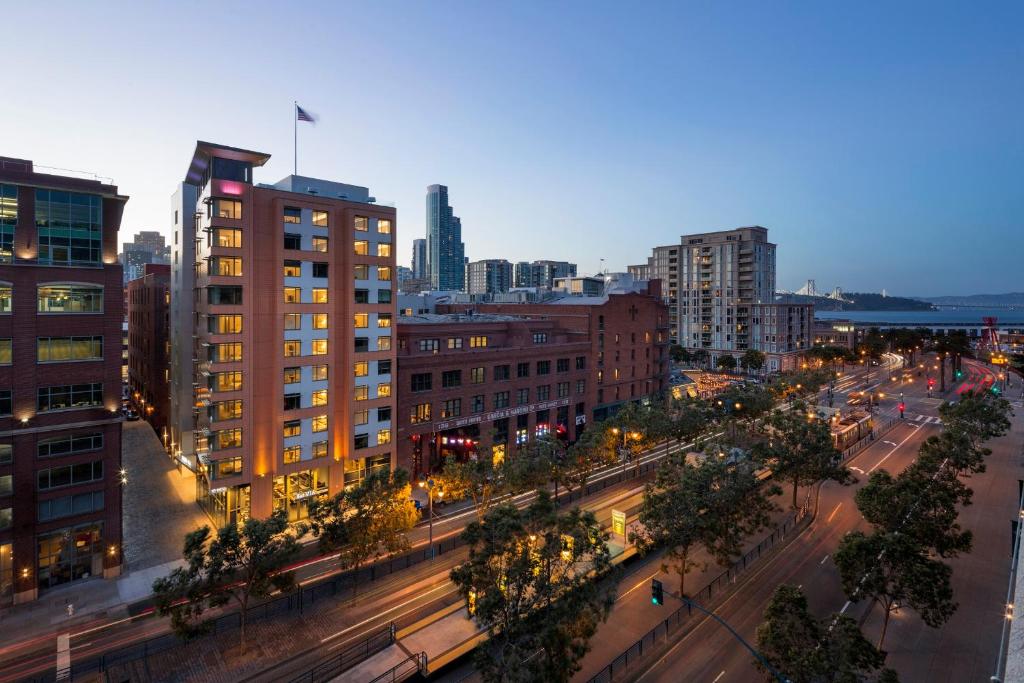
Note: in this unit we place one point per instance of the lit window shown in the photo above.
(6, 295)
(454, 342)
(292, 321)
(320, 218)
(319, 423)
(319, 449)
(383, 249)
(319, 347)
(320, 244)
(292, 454)
(292, 215)
(383, 437)
(384, 226)
(362, 223)
(361, 392)
(420, 413)
(362, 369)
(384, 343)
(227, 438)
(383, 320)
(320, 397)
(292, 428)
(227, 208)
(292, 268)
(383, 272)
(226, 381)
(58, 349)
(319, 295)
(292, 375)
(226, 353)
(292, 347)
(361, 320)
(227, 410)
(68, 299)
(477, 342)
(319, 321)
(230, 266)
(292, 295)
(227, 237)
(362, 247)
(383, 390)
(319, 373)
(6, 350)
(361, 417)
(225, 324)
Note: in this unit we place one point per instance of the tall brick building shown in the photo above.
(61, 308)
(149, 300)
(487, 377)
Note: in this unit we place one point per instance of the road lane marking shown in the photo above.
(834, 511)
(894, 449)
(718, 677)
(845, 607)
(378, 615)
(857, 469)
(891, 443)
(824, 559)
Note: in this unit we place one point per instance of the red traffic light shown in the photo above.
(903, 406)
(931, 382)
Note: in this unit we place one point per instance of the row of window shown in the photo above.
(294, 374)
(58, 298)
(422, 412)
(294, 427)
(294, 401)
(70, 396)
(229, 295)
(361, 392)
(453, 378)
(67, 506)
(69, 475)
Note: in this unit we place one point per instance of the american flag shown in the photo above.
(303, 115)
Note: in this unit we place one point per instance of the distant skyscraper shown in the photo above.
(542, 273)
(523, 274)
(446, 256)
(419, 259)
(490, 276)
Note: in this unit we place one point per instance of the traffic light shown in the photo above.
(657, 592)
(903, 406)
(995, 389)
(959, 374)
(931, 382)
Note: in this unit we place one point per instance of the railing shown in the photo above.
(333, 666)
(414, 664)
(705, 596)
(876, 432)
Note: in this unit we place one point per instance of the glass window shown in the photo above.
(319, 270)
(454, 342)
(361, 392)
(361, 417)
(227, 208)
(292, 454)
(224, 295)
(451, 408)
(501, 399)
(384, 343)
(384, 390)
(292, 375)
(292, 268)
(478, 403)
(319, 423)
(522, 396)
(477, 375)
(67, 396)
(362, 296)
(320, 397)
(60, 349)
(292, 428)
(293, 321)
(429, 345)
(383, 437)
(522, 369)
(421, 381)
(383, 249)
(227, 237)
(451, 378)
(6, 296)
(293, 241)
(361, 441)
(383, 296)
(8, 220)
(383, 367)
(292, 214)
(384, 273)
(540, 337)
(319, 295)
(318, 347)
(543, 367)
(361, 320)
(384, 414)
(226, 410)
(320, 244)
(292, 295)
(362, 368)
(319, 449)
(319, 321)
(419, 413)
(476, 342)
(292, 401)
(224, 324)
(76, 504)
(502, 372)
(229, 467)
(362, 223)
(362, 247)
(6, 403)
(562, 365)
(58, 298)
(362, 344)
(230, 266)
(69, 228)
(361, 271)
(68, 445)
(320, 218)
(319, 373)
(226, 381)
(384, 226)
(544, 392)
(7, 350)
(292, 348)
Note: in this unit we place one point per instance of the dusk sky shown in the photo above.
(881, 146)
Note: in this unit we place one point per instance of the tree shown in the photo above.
(239, 564)
(752, 359)
(595, 448)
(679, 354)
(710, 503)
(921, 502)
(477, 479)
(894, 570)
(540, 583)
(873, 344)
(727, 362)
(685, 419)
(978, 414)
(806, 650)
(368, 521)
(699, 356)
(800, 451)
(957, 450)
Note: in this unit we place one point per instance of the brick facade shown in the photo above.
(148, 345)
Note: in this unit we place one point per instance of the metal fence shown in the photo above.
(409, 667)
(330, 667)
(716, 589)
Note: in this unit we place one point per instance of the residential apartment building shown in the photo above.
(291, 348)
(61, 311)
(419, 259)
(580, 286)
(542, 273)
(489, 276)
(446, 254)
(720, 287)
(149, 299)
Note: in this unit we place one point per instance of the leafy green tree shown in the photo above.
(895, 570)
(239, 565)
(957, 450)
(368, 521)
(540, 583)
(800, 451)
(726, 362)
(476, 478)
(752, 359)
(594, 449)
(679, 354)
(978, 414)
(685, 419)
(922, 502)
(873, 344)
(806, 650)
(708, 503)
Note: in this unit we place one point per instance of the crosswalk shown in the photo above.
(927, 420)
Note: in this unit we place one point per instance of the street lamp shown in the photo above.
(430, 485)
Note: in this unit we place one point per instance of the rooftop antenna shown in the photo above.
(602, 266)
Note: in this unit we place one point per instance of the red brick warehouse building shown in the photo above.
(149, 299)
(61, 308)
(487, 377)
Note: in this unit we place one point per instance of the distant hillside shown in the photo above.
(863, 301)
(1011, 299)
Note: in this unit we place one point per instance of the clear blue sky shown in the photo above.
(880, 143)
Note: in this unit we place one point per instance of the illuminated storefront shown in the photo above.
(294, 492)
(69, 554)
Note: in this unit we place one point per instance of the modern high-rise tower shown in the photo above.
(445, 251)
(419, 259)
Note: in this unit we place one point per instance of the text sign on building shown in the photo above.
(499, 414)
(618, 522)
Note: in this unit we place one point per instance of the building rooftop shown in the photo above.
(323, 188)
(448, 318)
(206, 151)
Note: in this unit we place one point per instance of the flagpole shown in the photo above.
(295, 126)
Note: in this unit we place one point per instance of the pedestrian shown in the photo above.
(71, 609)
